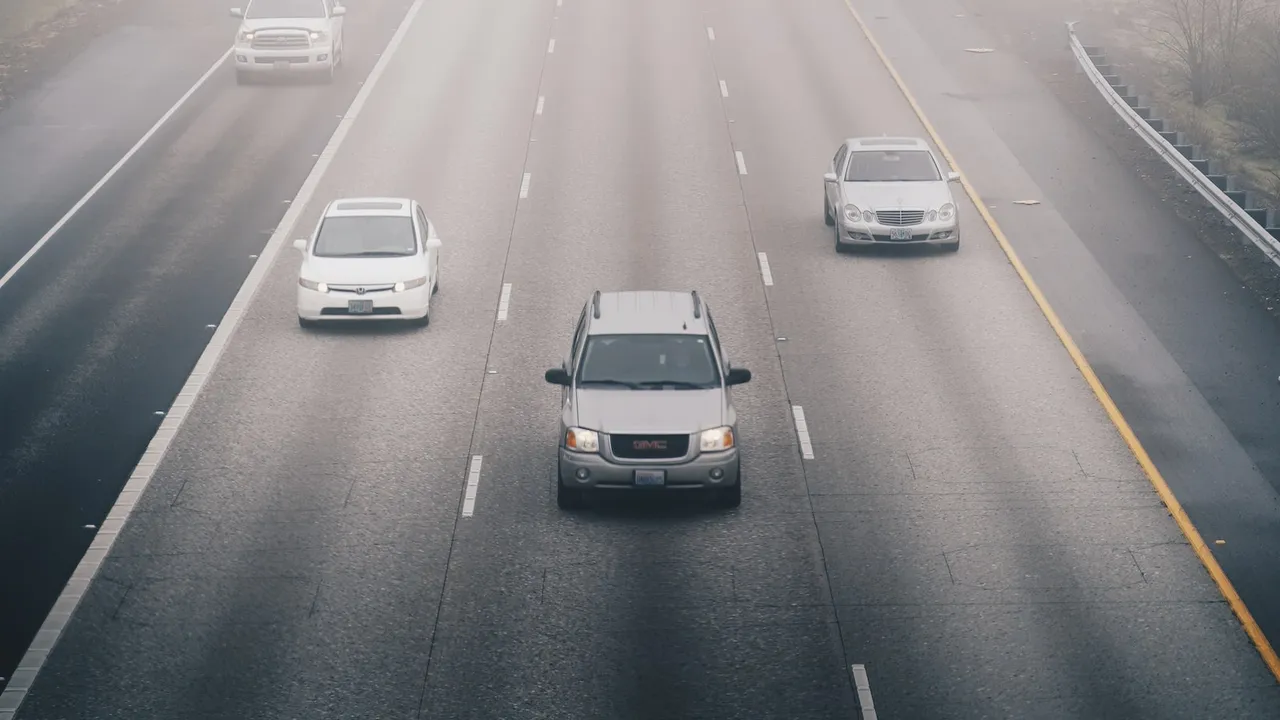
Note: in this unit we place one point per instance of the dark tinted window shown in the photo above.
(366, 236)
(259, 9)
(891, 166)
(648, 361)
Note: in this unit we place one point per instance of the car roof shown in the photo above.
(888, 143)
(399, 207)
(639, 312)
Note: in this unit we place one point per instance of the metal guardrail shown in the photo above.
(1259, 235)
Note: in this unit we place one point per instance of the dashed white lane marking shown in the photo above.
(802, 431)
(524, 185)
(541, 102)
(863, 687)
(473, 486)
(114, 169)
(551, 46)
(711, 33)
(742, 162)
(764, 269)
(49, 633)
(724, 89)
(504, 302)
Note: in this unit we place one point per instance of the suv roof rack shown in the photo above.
(595, 305)
(697, 305)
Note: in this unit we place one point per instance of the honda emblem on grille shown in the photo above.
(359, 291)
(649, 444)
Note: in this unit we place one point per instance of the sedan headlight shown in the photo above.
(716, 439)
(313, 285)
(411, 284)
(947, 212)
(583, 441)
(852, 213)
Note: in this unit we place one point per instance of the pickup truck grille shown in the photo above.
(899, 217)
(649, 447)
(281, 40)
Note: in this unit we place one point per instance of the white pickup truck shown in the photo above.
(288, 36)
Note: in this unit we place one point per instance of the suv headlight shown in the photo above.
(317, 35)
(716, 439)
(947, 212)
(583, 441)
(313, 285)
(246, 36)
(410, 284)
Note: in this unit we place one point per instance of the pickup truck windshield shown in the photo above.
(273, 9)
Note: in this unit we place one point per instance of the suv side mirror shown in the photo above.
(737, 376)
(829, 177)
(559, 376)
(433, 243)
(953, 177)
(339, 10)
(301, 244)
(237, 12)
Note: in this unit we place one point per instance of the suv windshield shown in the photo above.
(891, 166)
(366, 236)
(649, 361)
(270, 9)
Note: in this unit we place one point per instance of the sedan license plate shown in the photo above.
(282, 65)
(360, 307)
(899, 233)
(651, 478)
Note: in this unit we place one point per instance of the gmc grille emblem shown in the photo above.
(649, 444)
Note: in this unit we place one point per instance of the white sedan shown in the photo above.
(369, 258)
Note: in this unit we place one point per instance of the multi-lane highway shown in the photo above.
(971, 528)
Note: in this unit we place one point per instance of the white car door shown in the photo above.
(431, 250)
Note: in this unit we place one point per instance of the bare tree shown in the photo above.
(1255, 101)
(1204, 38)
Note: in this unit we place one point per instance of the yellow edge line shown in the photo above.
(1157, 480)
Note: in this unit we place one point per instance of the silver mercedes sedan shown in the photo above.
(885, 190)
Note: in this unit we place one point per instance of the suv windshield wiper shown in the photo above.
(672, 383)
(620, 383)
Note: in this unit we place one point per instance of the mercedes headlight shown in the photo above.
(947, 212)
(313, 285)
(583, 441)
(716, 439)
(852, 213)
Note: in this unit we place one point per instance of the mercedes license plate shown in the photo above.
(282, 65)
(899, 233)
(360, 307)
(651, 478)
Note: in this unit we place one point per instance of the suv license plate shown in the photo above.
(899, 233)
(282, 64)
(651, 477)
(360, 307)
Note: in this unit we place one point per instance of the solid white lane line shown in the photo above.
(524, 185)
(764, 269)
(504, 302)
(551, 46)
(473, 487)
(541, 101)
(724, 89)
(863, 687)
(802, 431)
(30, 664)
(114, 169)
(742, 162)
(711, 33)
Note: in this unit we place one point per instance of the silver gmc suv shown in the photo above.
(647, 400)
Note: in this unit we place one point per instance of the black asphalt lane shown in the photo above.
(970, 518)
(1190, 356)
(100, 329)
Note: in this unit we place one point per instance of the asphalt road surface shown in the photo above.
(970, 528)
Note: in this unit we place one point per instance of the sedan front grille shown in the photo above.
(281, 41)
(899, 217)
(649, 447)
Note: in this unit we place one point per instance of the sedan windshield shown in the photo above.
(891, 166)
(366, 236)
(259, 9)
(649, 361)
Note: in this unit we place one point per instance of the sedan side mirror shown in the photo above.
(738, 376)
(559, 376)
(237, 12)
(339, 11)
(433, 243)
(953, 177)
(301, 244)
(829, 177)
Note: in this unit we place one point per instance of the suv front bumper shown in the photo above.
(693, 474)
(313, 59)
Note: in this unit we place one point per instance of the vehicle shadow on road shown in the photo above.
(657, 506)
